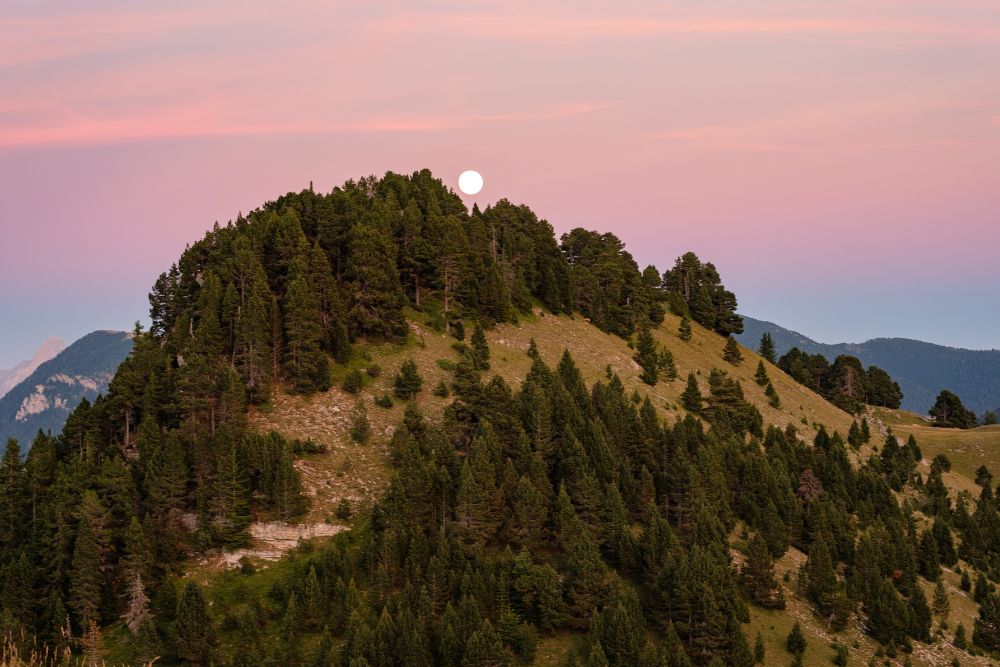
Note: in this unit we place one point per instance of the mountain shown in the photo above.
(11, 377)
(508, 448)
(46, 396)
(921, 369)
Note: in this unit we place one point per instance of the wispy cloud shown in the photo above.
(209, 119)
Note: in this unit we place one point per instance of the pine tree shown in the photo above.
(941, 604)
(796, 641)
(230, 499)
(408, 381)
(90, 554)
(480, 350)
(758, 576)
(194, 635)
(732, 353)
(377, 296)
(986, 632)
(684, 331)
(761, 376)
(691, 397)
(306, 363)
(646, 356)
(772, 396)
(667, 366)
(766, 348)
(758, 650)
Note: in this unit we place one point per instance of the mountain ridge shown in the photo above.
(46, 397)
(11, 377)
(922, 369)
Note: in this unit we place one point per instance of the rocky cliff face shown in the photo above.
(44, 398)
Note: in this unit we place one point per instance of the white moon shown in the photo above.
(470, 182)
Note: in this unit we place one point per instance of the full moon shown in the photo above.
(470, 182)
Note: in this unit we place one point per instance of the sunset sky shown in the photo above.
(838, 160)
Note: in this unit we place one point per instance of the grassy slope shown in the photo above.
(359, 472)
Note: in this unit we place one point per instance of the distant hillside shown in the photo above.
(11, 377)
(921, 369)
(46, 397)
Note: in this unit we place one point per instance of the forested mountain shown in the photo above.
(921, 369)
(517, 511)
(46, 397)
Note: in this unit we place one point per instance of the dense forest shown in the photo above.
(547, 508)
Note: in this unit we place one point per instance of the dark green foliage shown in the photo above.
(384, 401)
(845, 382)
(989, 418)
(773, 399)
(796, 641)
(766, 348)
(480, 349)
(758, 576)
(361, 428)
(667, 366)
(702, 294)
(684, 330)
(193, 632)
(731, 352)
(986, 633)
(441, 390)
(760, 377)
(408, 381)
(353, 381)
(948, 412)
(691, 397)
(646, 356)
(607, 285)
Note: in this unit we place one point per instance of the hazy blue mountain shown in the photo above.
(46, 397)
(921, 369)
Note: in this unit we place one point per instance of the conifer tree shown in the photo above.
(761, 375)
(306, 363)
(408, 381)
(758, 650)
(230, 498)
(480, 349)
(684, 331)
(667, 366)
(758, 576)
(691, 397)
(941, 603)
(90, 556)
(646, 356)
(796, 641)
(732, 353)
(766, 348)
(772, 396)
(194, 635)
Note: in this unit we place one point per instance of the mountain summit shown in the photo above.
(11, 377)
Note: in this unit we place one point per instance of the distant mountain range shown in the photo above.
(46, 396)
(11, 377)
(921, 369)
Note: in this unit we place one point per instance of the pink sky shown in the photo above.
(838, 161)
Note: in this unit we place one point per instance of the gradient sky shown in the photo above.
(838, 160)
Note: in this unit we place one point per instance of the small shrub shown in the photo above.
(441, 390)
(353, 382)
(374, 370)
(343, 510)
(384, 401)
